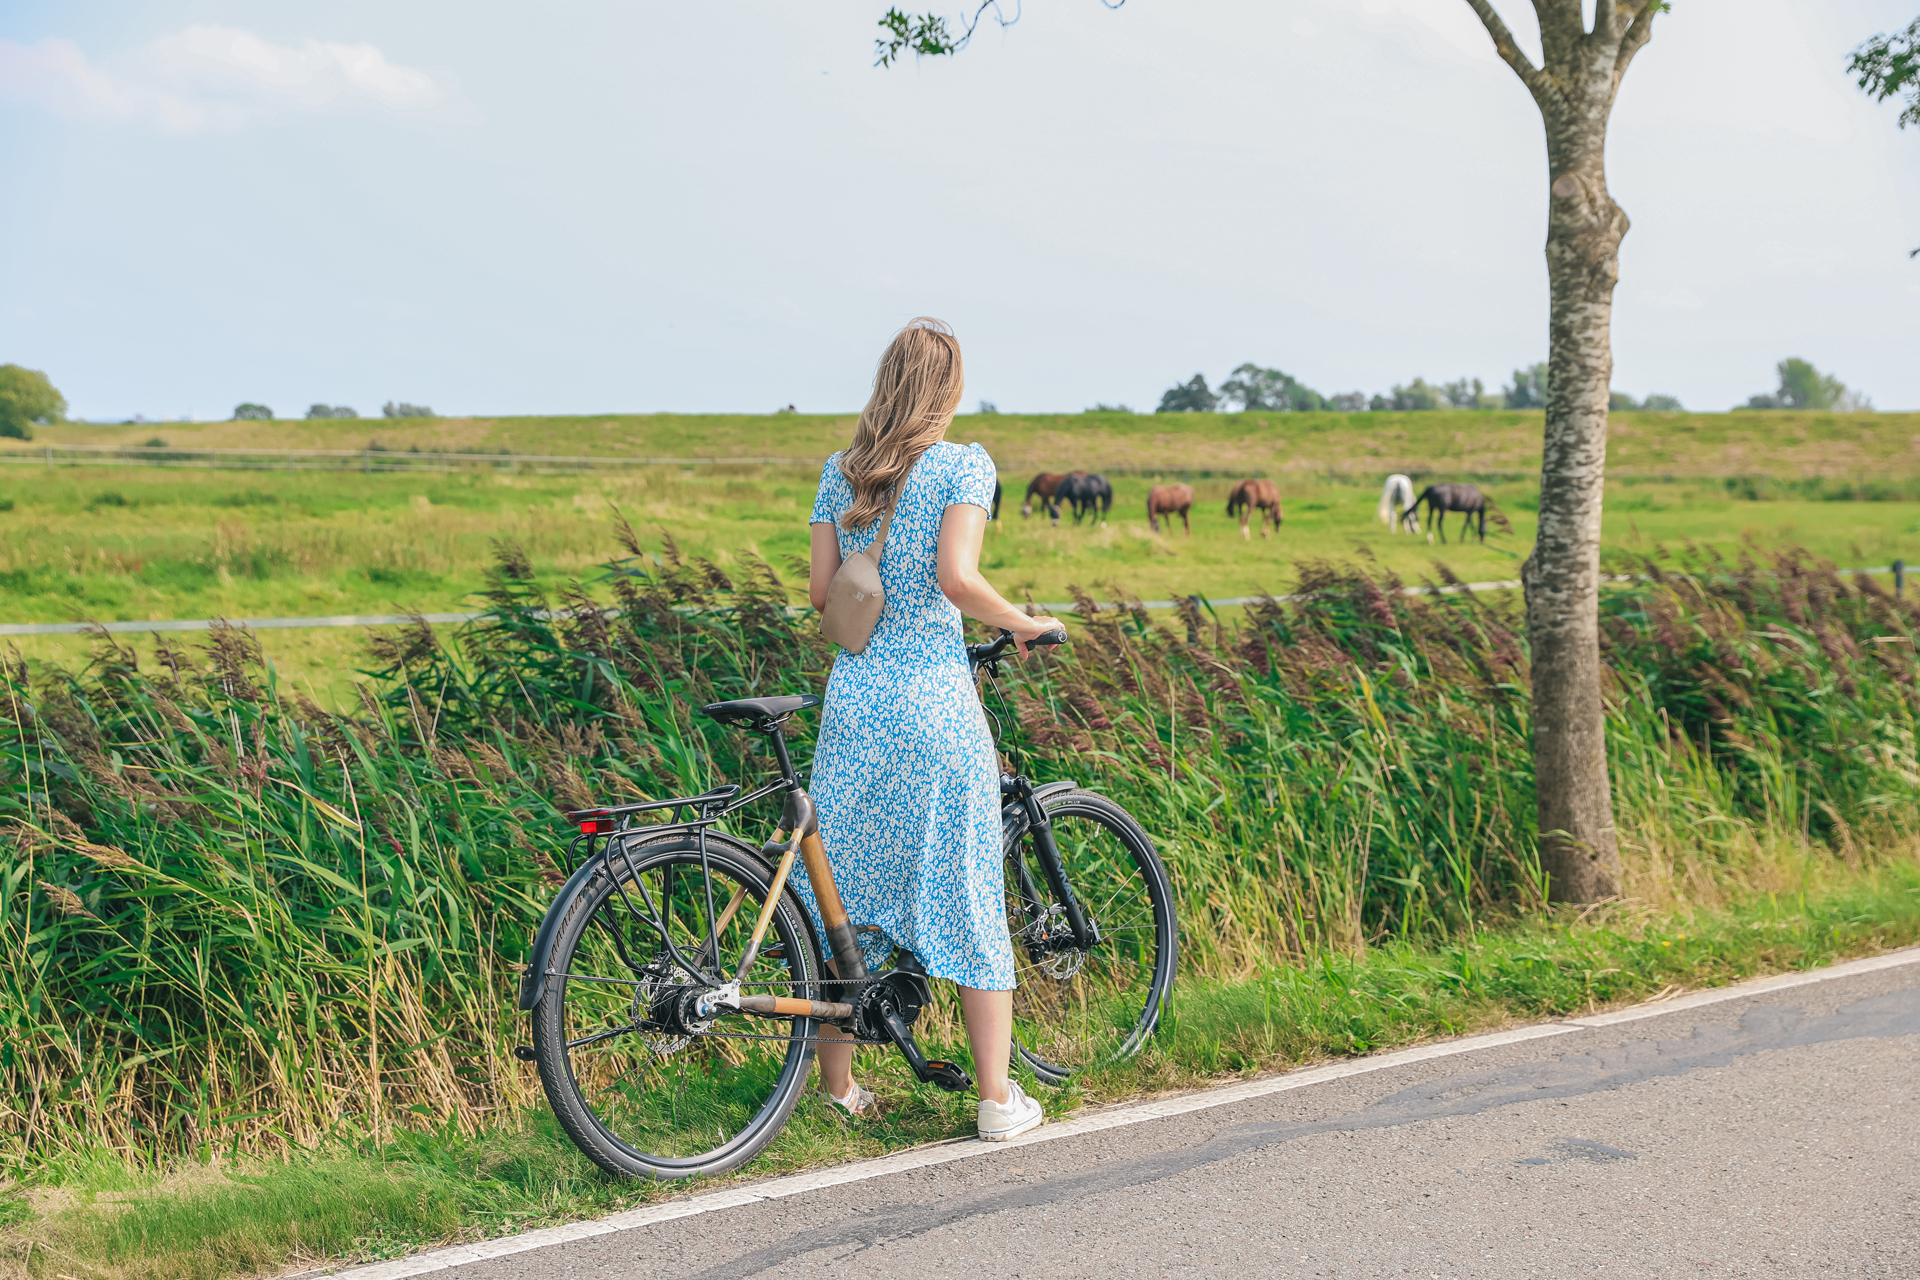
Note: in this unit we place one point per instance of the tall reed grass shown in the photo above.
(231, 920)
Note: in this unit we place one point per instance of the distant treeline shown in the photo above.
(1251, 387)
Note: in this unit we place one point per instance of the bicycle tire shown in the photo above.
(1076, 1011)
(634, 1102)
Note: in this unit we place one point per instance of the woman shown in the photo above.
(905, 774)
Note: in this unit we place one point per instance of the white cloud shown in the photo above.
(210, 77)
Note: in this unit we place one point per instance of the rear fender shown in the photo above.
(533, 977)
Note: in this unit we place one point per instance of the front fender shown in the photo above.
(1013, 814)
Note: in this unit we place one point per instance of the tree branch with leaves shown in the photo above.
(928, 34)
(1888, 66)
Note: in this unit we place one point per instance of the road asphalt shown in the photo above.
(1774, 1134)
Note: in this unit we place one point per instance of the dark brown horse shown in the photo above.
(1169, 500)
(1464, 498)
(1251, 495)
(1087, 494)
(1046, 486)
(995, 514)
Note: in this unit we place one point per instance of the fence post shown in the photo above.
(1899, 579)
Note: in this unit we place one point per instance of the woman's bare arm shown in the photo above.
(962, 531)
(825, 563)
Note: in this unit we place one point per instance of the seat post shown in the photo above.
(780, 754)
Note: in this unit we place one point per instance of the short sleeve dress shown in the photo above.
(905, 775)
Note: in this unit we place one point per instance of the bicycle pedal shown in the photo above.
(950, 1076)
(524, 1052)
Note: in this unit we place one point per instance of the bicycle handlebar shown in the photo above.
(979, 653)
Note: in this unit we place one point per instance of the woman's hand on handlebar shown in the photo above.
(1031, 628)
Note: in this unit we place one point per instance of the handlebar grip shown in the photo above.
(1056, 636)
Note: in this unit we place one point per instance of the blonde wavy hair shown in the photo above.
(916, 390)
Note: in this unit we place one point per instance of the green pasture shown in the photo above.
(131, 543)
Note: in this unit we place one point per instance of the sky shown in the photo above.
(629, 206)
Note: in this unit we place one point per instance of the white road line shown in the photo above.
(1110, 1118)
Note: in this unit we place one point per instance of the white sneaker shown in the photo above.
(858, 1103)
(1002, 1120)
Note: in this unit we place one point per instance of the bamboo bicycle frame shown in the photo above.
(803, 824)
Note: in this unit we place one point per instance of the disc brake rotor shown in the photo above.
(1061, 965)
(1056, 964)
(645, 995)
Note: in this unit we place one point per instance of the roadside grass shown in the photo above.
(350, 1198)
(236, 918)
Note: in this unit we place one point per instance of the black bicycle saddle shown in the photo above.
(759, 710)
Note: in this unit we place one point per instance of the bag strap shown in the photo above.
(879, 547)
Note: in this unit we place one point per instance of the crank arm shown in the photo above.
(950, 1076)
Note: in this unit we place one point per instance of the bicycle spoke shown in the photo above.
(589, 977)
(598, 1036)
(619, 1079)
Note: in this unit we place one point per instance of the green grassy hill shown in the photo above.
(1782, 444)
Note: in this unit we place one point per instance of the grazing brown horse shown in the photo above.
(1251, 495)
(1046, 486)
(1169, 500)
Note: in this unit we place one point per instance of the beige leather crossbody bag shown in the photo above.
(854, 597)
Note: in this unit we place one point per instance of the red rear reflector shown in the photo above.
(596, 825)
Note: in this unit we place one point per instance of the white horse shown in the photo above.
(1398, 491)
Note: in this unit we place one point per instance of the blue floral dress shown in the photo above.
(905, 774)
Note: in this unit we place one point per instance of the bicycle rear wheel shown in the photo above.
(1078, 1009)
(641, 1086)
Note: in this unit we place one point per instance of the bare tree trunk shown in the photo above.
(1574, 88)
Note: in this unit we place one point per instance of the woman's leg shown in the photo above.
(989, 1016)
(835, 1052)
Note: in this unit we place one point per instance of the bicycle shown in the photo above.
(677, 987)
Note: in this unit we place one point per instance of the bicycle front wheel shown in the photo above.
(1076, 1009)
(642, 1086)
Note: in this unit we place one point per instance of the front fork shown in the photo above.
(1018, 787)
